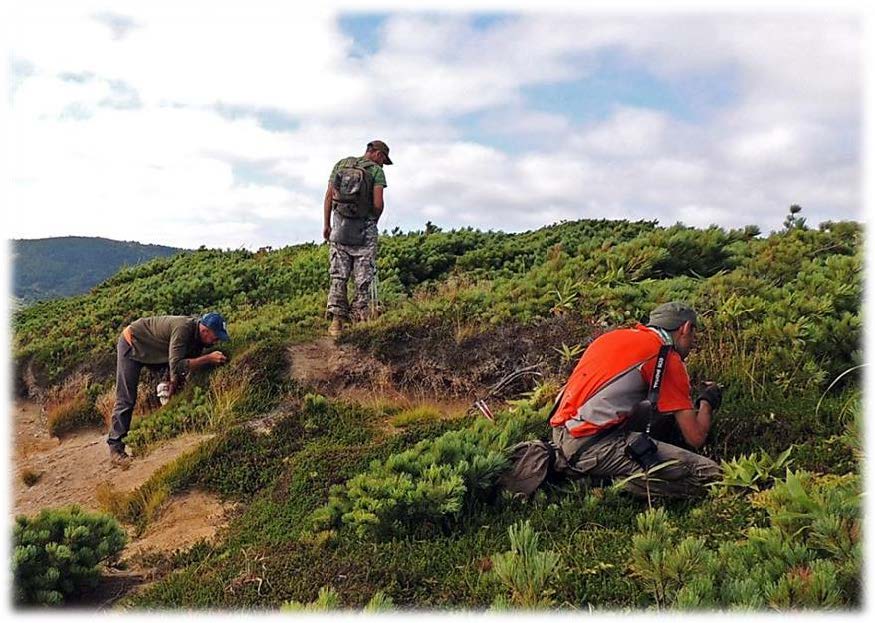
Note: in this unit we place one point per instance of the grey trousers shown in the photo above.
(127, 377)
(605, 458)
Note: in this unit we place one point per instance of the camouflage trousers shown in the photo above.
(360, 262)
(605, 457)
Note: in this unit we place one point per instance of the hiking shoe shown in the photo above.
(120, 458)
(336, 327)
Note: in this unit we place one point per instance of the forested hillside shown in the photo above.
(380, 502)
(49, 268)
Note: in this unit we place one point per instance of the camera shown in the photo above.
(642, 450)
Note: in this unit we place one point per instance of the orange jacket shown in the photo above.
(613, 375)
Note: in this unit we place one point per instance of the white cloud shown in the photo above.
(142, 121)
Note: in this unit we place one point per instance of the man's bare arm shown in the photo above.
(378, 201)
(694, 425)
(326, 211)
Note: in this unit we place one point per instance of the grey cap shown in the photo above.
(670, 316)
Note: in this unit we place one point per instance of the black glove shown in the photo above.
(712, 393)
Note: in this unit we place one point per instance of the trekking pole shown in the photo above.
(374, 295)
(479, 405)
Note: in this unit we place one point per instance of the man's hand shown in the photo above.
(217, 357)
(712, 393)
(326, 231)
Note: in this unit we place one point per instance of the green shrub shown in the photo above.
(809, 556)
(430, 483)
(30, 477)
(56, 554)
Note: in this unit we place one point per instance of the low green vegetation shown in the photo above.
(56, 555)
(416, 415)
(342, 503)
(185, 414)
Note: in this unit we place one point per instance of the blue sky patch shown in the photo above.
(364, 29)
(270, 119)
(620, 83)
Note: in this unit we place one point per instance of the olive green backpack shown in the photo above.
(354, 188)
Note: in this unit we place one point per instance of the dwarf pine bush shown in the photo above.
(432, 482)
(808, 557)
(525, 571)
(56, 554)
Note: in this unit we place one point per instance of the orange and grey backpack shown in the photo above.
(354, 188)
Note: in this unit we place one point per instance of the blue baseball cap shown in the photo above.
(216, 324)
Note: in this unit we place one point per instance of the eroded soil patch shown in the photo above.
(435, 360)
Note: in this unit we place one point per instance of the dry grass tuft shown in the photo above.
(30, 477)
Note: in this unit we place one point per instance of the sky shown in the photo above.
(217, 124)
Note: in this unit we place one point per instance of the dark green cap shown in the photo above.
(670, 316)
(381, 147)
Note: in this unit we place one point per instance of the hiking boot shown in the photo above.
(336, 327)
(118, 456)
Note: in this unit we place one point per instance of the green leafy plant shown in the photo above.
(569, 353)
(646, 476)
(754, 471)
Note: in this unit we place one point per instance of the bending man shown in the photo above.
(173, 341)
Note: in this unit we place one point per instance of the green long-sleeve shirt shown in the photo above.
(166, 339)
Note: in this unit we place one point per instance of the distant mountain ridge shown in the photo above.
(47, 268)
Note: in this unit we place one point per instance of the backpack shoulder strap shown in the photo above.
(656, 382)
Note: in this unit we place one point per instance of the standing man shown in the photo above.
(173, 341)
(592, 422)
(352, 206)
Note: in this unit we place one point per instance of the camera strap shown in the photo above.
(656, 382)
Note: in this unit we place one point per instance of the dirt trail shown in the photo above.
(333, 368)
(71, 469)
